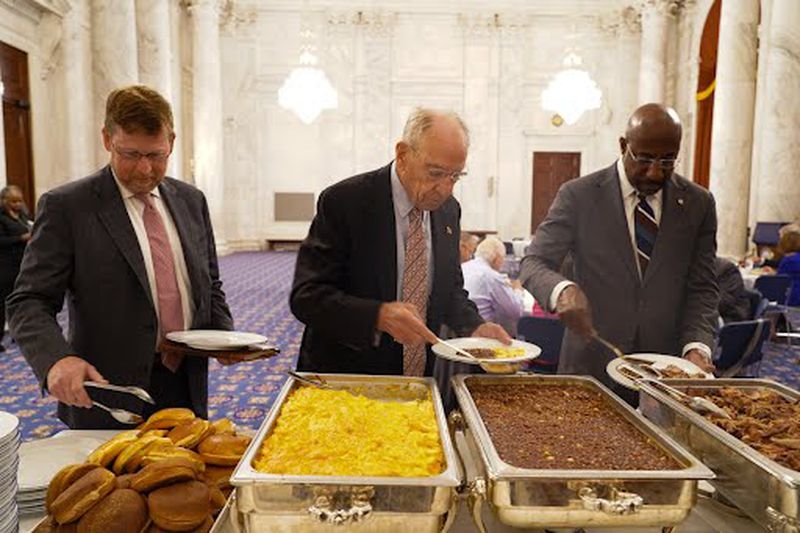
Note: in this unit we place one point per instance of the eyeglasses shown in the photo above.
(438, 174)
(665, 164)
(134, 156)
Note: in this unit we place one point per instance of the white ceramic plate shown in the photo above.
(531, 350)
(208, 339)
(660, 362)
(41, 459)
(8, 426)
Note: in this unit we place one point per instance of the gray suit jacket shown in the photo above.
(673, 305)
(84, 247)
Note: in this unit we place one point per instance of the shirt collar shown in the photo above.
(402, 203)
(125, 192)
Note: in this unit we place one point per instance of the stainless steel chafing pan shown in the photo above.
(579, 498)
(765, 490)
(269, 502)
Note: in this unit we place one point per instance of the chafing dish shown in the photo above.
(269, 502)
(577, 498)
(765, 490)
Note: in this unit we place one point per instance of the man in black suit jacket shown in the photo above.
(91, 242)
(349, 274)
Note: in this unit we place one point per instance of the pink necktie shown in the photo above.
(170, 312)
(415, 288)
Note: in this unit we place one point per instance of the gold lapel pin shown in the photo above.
(449, 230)
(680, 201)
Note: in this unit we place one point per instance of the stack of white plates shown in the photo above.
(9, 460)
(40, 460)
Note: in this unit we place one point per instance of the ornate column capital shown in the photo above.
(374, 21)
(193, 6)
(625, 21)
(485, 24)
(670, 8)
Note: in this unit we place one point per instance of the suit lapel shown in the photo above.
(611, 195)
(384, 237)
(672, 201)
(114, 216)
(186, 232)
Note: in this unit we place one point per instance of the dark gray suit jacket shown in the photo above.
(673, 305)
(347, 267)
(84, 247)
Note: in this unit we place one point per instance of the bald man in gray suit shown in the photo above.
(643, 241)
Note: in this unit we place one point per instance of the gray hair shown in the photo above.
(421, 119)
(490, 248)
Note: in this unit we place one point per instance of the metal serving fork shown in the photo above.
(127, 389)
(120, 415)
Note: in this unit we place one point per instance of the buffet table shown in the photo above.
(708, 515)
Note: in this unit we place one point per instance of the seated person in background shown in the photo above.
(498, 298)
(734, 305)
(467, 246)
(790, 264)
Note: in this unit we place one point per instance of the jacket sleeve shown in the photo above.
(554, 238)
(702, 290)
(39, 292)
(318, 298)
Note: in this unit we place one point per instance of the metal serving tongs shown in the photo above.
(126, 389)
(695, 403)
(317, 382)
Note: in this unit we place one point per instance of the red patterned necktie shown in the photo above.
(170, 312)
(415, 288)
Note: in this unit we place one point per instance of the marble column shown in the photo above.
(154, 45)
(732, 127)
(81, 123)
(154, 36)
(113, 52)
(778, 197)
(176, 19)
(653, 56)
(207, 128)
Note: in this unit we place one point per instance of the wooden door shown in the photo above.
(17, 120)
(550, 170)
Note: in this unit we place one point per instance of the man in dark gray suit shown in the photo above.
(643, 243)
(134, 254)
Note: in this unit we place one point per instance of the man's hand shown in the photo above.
(25, 237)
(490, 330)
(573, 310)
(65, 381)
(403, 322)
(700, 359)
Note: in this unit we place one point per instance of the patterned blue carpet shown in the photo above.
(257, 285)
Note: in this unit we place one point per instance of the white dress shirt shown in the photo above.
(135, 210)
(629, 201)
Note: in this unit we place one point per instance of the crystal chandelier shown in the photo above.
(307, 90)
(572, 91)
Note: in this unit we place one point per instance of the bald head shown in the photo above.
(654, 120)
(650, 147)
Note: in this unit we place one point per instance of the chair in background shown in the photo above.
(739, 349)
(757, 303)
(547, 333)
(774, 288)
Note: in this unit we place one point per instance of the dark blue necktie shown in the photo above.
(646, 229)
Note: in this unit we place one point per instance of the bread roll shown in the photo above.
(166, 472)
(122, 511)
(180, 507)
(63, 479)
(105, 454)
(223, 450)
(188, 434)
(82, 495)
(167, 418)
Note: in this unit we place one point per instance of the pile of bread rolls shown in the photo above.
(170, 474)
